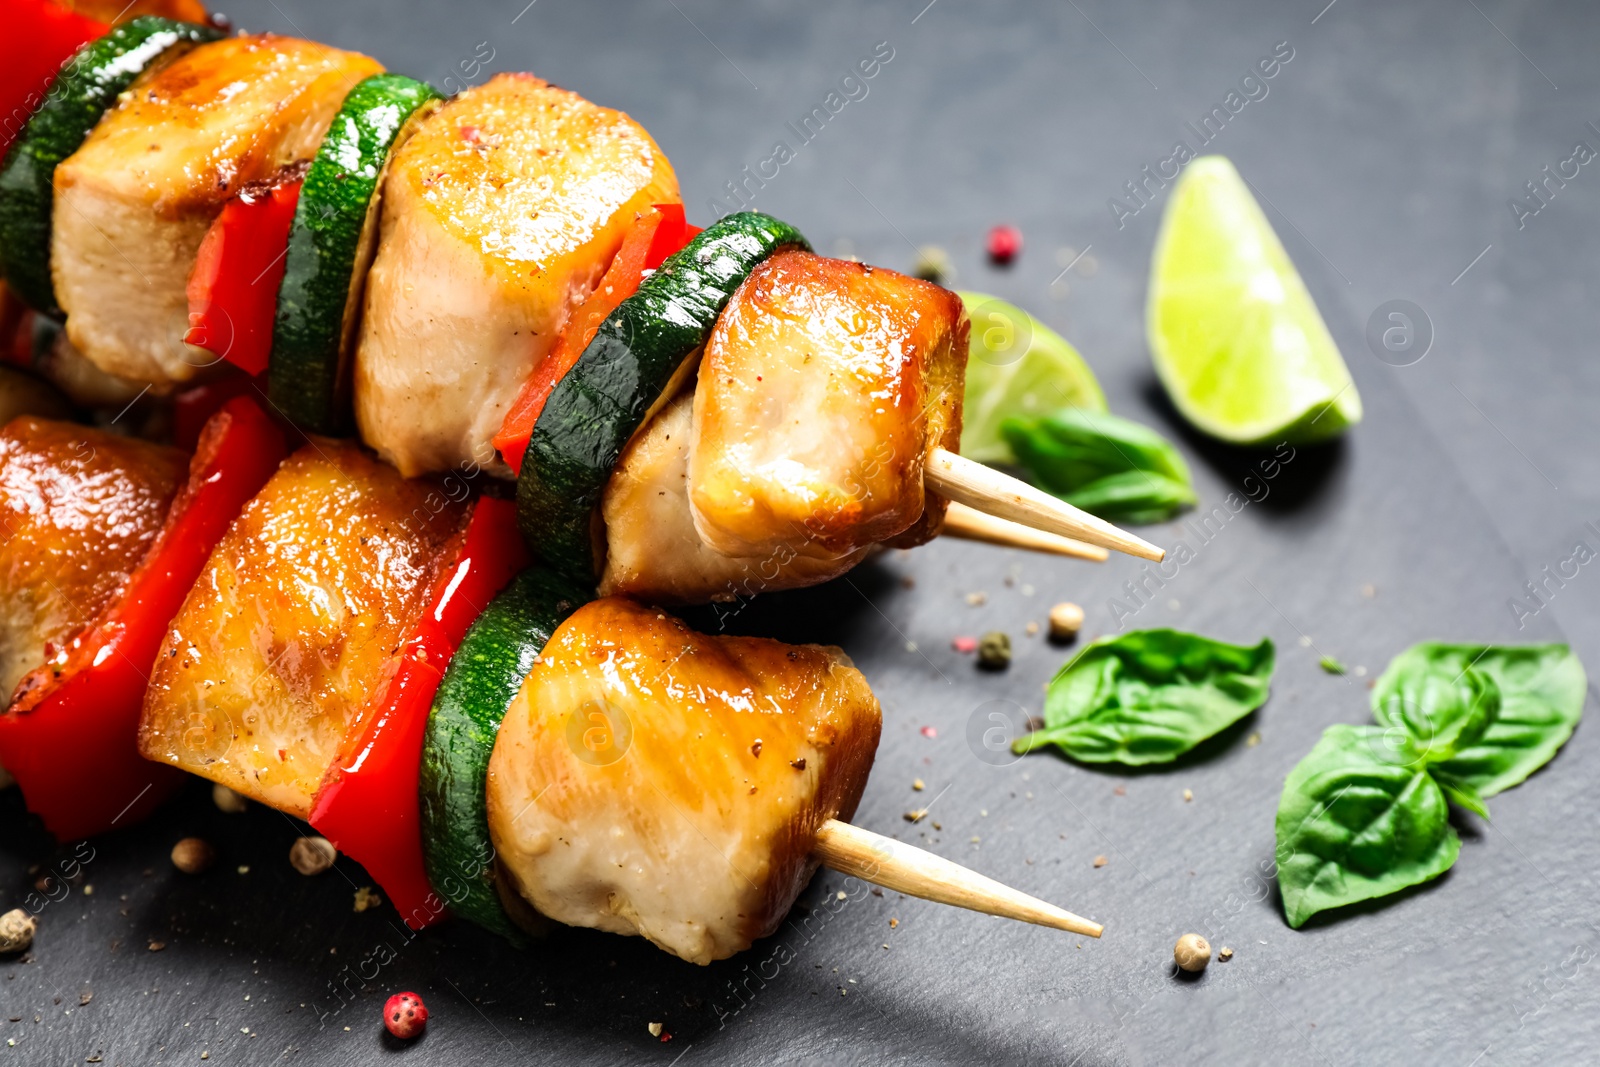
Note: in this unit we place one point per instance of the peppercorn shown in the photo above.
(1192, 953)
(312, 855)
(227, 800)
(193, 856)
(1004, 243)
(932, 265)
(16, 930)
(1066, 619)
(994, 650)
(405, 1016)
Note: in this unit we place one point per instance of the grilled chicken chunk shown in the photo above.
(653, 552)
(78, 509)
(132, 204)
(296, 622)
(651, 780)
(823, 389)
(499, 216)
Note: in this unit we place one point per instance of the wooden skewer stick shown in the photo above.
(973, 525)
(910, 870)
(1003, 496)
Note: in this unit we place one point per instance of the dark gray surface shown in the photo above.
(1387, 148)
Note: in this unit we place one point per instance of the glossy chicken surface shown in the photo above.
(499, 215)
(654, 553)
(651, 780)
(134, 201)
(823, 389)
(296, 622)
(78, 509)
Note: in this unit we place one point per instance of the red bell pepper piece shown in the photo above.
(40, 38)
(655, 235)
(71, 739)
(367, 804)
(193, 408)
(16, 330)
(673, 233)
(233, 289)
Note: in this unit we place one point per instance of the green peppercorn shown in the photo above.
(994, 650)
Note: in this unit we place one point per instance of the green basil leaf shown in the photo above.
(1542, 692)
(1353, 824)
(1459, 792)
(1074, 453)
(1442, 710)
(1150, 695)
(1139, 497)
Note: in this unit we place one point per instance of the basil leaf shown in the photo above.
(1070, 450)
(1353, 824)
(1542, 692)
(1442, 711)
(1149, 696)
(1459, 792)
(1139, 497)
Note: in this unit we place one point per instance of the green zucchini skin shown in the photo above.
(484, 675)
(637, 354)
(82, 92)
(331, 243)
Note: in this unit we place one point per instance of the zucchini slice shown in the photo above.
(484, 675)
(642, 352)
(331, 244)
(86, 87)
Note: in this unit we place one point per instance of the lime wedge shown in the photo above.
(1237, 340)
(1016, 365)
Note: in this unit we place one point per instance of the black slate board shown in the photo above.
(1386, 149)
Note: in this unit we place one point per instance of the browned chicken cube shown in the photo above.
(651, 780)
(654, 553)
(133, 202)
(824, 387)
(500, 214)
(297, 621)
(78, 509)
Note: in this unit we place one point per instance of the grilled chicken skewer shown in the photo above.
(820, 427)
(727, 763)
(269, 720)
(292, 653)
(296, 623)
(452, 322)
(687, 791)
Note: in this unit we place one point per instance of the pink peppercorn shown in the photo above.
(964, 644)
(405, 1015)
(1005, 243)
(929, 731)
